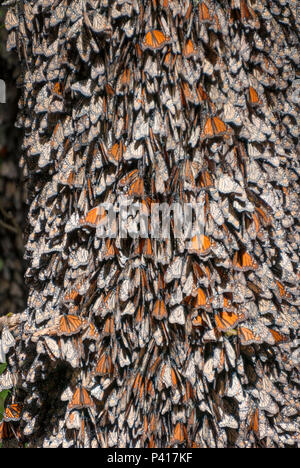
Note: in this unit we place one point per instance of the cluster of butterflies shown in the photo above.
(158, 342)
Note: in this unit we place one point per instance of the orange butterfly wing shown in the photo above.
(155, 40)
(189, 49)
(200, 245)
(243, 261)
(93, 217)
(81, 399)
(69, 325)
(104, 365)
(220, 126)
(205, 180)
(160, 39)
(253, 97)
(215, 127)
(204, 15)
(254, 422)
(227, 320)
(202, 96)
(13, 412)
(137, 188)
(208, 131)
(278, 337)
(129, 178)
(201, 299)
(180, 434)
(159, 310)
(115, 153)
(247, 336)
(198, 321)
(283, 292)
(109, 327)
(57, 89)
(6, 432)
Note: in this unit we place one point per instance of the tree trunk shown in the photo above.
(157, 339)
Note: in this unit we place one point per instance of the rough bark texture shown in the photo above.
(158, 342)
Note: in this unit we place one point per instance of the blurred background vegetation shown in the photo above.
(11, 191)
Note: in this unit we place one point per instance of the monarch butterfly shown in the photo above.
(278, 337)
(191, 170)
(81, 399)
(78, 258)
(137, 384)
(91, 333)
(177, 315)
(100, 24)
(93, 217)
(283, 292)
(140, 314)
(168, 376)
(58, 137)
(227, 320)
(215, 127)
(97, 109)
(69, 325)
(7, 378)
(155, 40)
(7, 341)
(109, 250)
(160, 310)
(257, 224)
(13, 412)
(217, 25)
(73, 420)
(83, 46)
(208, 370)
(152, 443)
(188, 94)
(109, 327)
(72, 295)
(204, 15)
(141, 126)
(205, 180)
(199, 321)
(52, 348)
(6, 431)
(188, 394)
(253, 97)
(189, 49)
(202, 96)
(115, 153)
(57, 89)
(189, 9)
(247, 14)
(247, 336)
(169, 59)
(200, 245)
(134, 183)
(124, 81)
(104, 366)
(254, 422)
(71, 352)
(244, 262)
(227, 305)
(201, 300)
